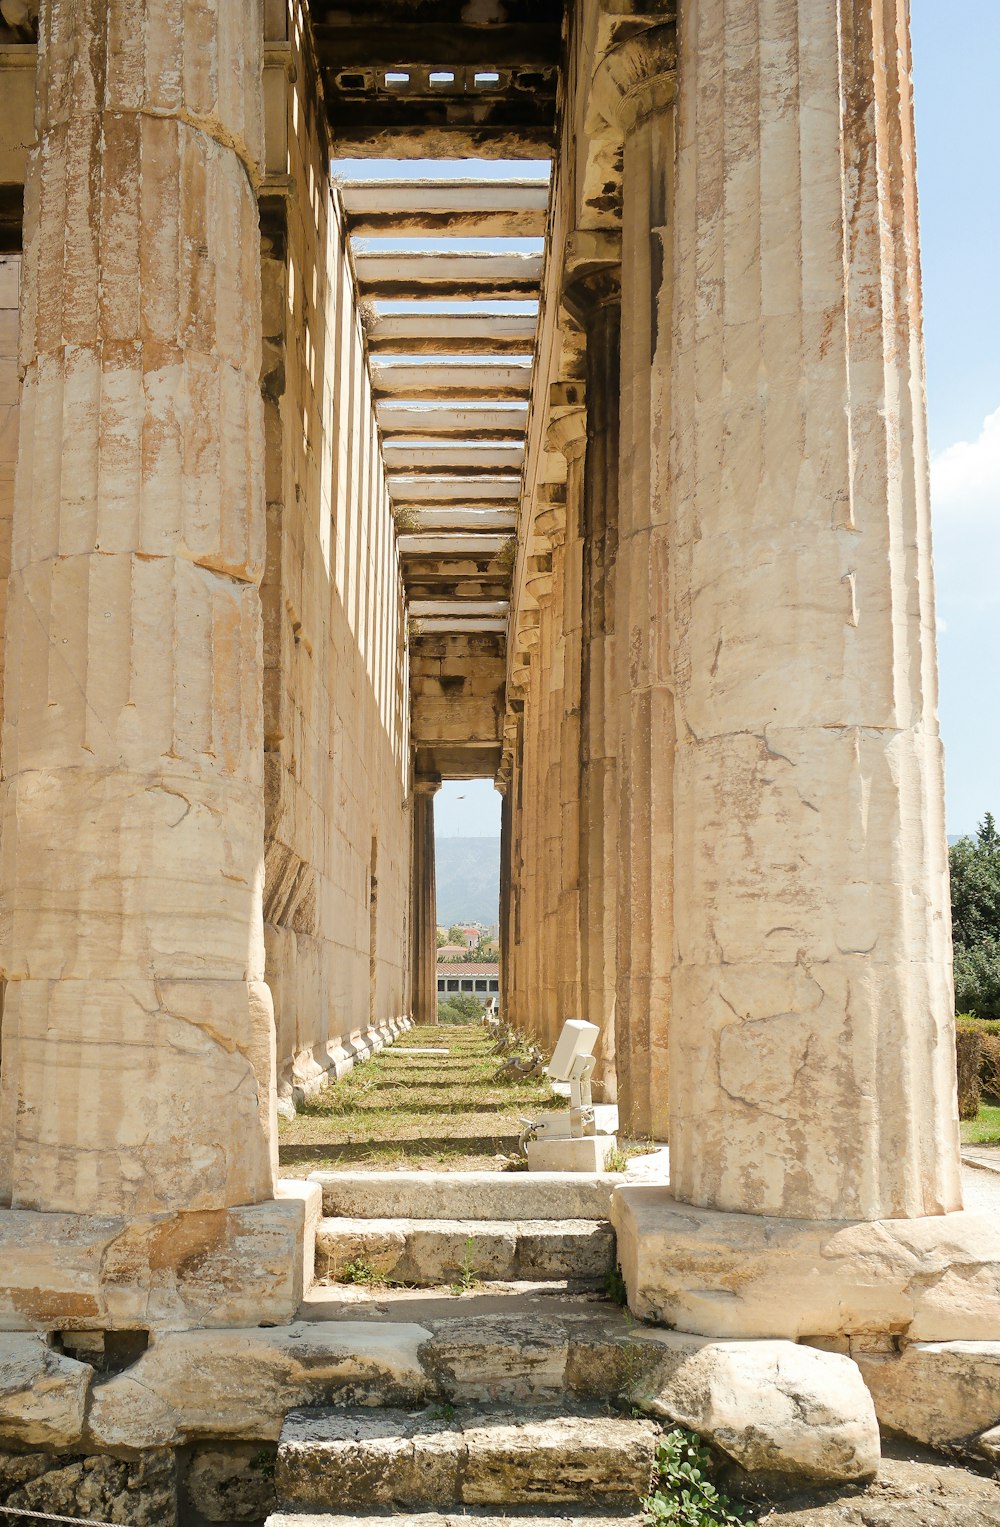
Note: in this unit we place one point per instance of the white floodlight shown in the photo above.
(573, 1061)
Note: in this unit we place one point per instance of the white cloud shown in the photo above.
(965, 501)
(965, 478)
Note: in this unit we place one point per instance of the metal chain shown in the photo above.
(46, 1516)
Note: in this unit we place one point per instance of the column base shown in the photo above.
(741, 1275)
(245, 1266)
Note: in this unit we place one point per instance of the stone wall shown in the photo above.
(10, 271)
(335, 686)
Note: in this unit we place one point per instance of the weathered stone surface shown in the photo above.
(43, 1394)
(231, 1484)
(426, 1252)
(482, 1518)
(230, 1267)
(933, 1279)
(523, 1460)
(240, 1384)
(139, 1491)
(937, 1393)
(480, 1458)
(466, 1195)
(786, 1414)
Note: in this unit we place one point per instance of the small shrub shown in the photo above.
(614, 1287)
(468, 1279)
(989, 1067)
(968, 1053)
(360, 1270)
(682, 1494)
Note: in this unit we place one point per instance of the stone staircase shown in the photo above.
(529, 1368)
(435, 1228)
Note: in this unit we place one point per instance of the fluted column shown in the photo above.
(138, 1046)
(596, 300)
(812, 1052)
(423, 903)
(567, 433)
(635, 89)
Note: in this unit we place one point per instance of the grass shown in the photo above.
(984, 1129)
(418, 1111)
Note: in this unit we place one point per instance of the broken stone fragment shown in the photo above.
(787, 1415)
(43, 1394)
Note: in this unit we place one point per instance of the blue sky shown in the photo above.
(955, 53)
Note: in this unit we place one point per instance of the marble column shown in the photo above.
(812, 1039)
(423, 903)
(635, 90)
(563, 523)
(595, 299)
(138, 1065)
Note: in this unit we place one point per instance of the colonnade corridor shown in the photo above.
(405, 391)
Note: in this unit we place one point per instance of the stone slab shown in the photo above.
(43, 1393)
(466, 1195)
(587, 1153)
(936, 1393)
(358, 1458)
(748, 1276)
(225, 1267)
(429, 1252)
(240, 1384)
(465, 1518)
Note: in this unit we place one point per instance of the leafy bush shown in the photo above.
(989, 1067)
(968, 1054)
(975, 920)
(682, 1495)
(460, 1007)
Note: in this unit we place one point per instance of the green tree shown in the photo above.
(459, 1007)
(456, 934)
(975, 920)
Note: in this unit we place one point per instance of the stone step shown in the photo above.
(329, 1460)
(468, 1195)
(464, 1518)
(428, 1252)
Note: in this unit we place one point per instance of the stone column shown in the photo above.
(812, 1041)
(595, 298)
(562, 521)
(634, 90)
(423, 903)
(138, 1052)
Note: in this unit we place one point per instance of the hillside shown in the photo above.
(468, 880)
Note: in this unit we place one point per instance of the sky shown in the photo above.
(958, 173)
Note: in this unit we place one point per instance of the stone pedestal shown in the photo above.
(423, 903)
(138, 1045)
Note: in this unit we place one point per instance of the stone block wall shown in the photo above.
(335, 688)
(10, 272)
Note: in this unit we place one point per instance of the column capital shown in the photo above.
(427, 784)
(637, 77)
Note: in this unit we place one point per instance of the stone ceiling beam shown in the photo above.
(469, 208)
(458, 333)
(442, 46)
(401, 421)
(502, 381)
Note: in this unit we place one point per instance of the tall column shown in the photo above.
(596, 300)
(563, 523)
(634, 90)
(423, 902)
(138, 1045)
(812, 1047)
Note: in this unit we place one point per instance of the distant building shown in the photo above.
(478, 980)
(451, 951)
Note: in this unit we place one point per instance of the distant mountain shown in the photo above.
(468, 880)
